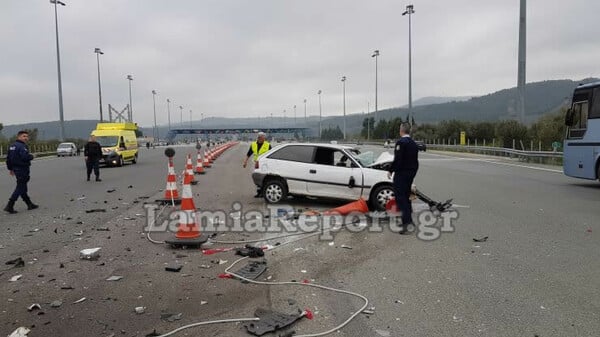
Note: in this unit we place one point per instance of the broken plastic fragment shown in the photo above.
(34, 307)
(20, 332)
(140, 310)
(90, 253)
(114, 278)
(80, 300)
(15, 278)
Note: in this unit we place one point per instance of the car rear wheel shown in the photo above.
(274, 191)
(380, 197)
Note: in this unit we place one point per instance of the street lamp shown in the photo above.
(344, 90)
(320, 115)
(155, 133)
(130, 78)
(98, 53)
(181, 115)
(191, 119)
(376, 56)
(305, 120)
(284, 120)
(60, 99)
(169, 112)
(410, 11)
(295, 115)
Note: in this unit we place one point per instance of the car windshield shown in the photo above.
(107, 141)
(64, 146)
(364, 159)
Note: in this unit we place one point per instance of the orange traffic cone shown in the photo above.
(171, 194)
(189, 169)
(358, 206)
(188, 232)
(206, 159)
(199, 167)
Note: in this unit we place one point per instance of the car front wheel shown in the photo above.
(380, 197)
(274, 191)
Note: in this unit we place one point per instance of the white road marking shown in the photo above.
(491, 161)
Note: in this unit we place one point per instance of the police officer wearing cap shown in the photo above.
(18, 162)
(257, 148)
(404, 168)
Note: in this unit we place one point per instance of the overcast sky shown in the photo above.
(253, 58)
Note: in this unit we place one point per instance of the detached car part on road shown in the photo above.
(324, 170)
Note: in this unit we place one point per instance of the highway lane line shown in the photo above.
(499, 163)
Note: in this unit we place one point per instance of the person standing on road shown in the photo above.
(404, 168)
(18, 162)
(257, 148)
(92, 152)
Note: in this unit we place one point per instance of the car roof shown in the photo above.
(329, 145)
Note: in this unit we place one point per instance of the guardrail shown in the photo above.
(548, 157)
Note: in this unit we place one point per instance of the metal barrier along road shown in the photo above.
(503, 152)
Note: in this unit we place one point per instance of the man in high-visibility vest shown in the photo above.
(257, 148)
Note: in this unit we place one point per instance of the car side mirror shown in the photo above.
(569, 118)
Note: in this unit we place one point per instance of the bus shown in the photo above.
(581, 154)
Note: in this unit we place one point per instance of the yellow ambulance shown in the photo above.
(118, 141)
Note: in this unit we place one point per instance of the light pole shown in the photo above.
(202, 119)
(320, 115)
(191, 125)
(130, 78)
(181, 115)
(60, 99)
(344, 95)
(368, 120)
(98, 53)
(155, 133)
(272, 123)
(376, 56)
(295, 115)
(305, 119)
(410, 11)
(169, 112)
(284, 120)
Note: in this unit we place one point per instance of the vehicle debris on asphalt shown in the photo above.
(483, 239)
(90, 254)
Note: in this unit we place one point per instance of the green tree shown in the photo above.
(332, 133)
(508, 130)
(548, 129)
(451, 129)
(370, 122)
(480, 131)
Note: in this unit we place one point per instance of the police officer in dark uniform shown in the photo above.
(404, 168)
(18, 162)
(92, 152)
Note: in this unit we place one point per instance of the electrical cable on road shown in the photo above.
(313, 285)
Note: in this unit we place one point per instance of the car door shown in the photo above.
(334, 174)
(292, 162)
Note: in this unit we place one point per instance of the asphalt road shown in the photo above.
(537, 273)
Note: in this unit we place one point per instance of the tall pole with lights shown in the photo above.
(344, 96)
(130, 78)
(155, 133)
(98, 53)
(409, 11)
(60, 98)
(181, 115)
(320, 113)
(169, 112)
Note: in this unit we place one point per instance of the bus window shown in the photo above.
(595, 110)
(580, 117)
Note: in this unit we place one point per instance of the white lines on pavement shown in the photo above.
(493, 161)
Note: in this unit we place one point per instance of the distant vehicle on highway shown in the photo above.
(66, 149)
(118, 143)
(324, 170)
(581, 154)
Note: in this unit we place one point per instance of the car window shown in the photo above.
(303, 154)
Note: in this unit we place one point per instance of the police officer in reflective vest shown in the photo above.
(18, 162)
(256, 149)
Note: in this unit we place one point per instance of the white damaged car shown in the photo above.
(324, 170)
